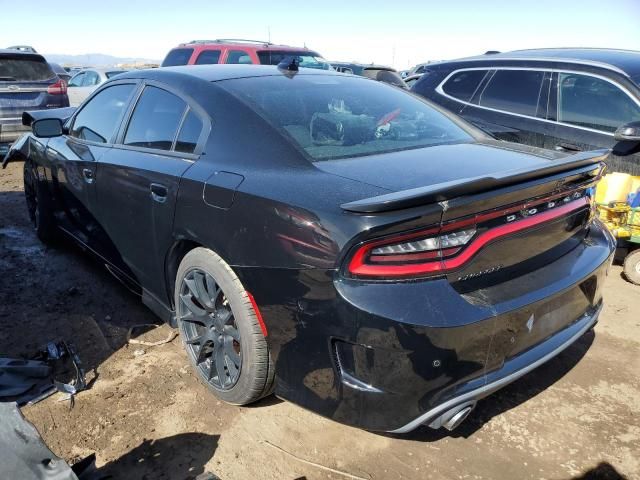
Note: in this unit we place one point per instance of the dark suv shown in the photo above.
(562, 99)
(27, 82)
(241, 52)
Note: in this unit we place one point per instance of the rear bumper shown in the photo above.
(511, 371)
(12, 129)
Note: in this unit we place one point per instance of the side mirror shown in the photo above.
(47, 127)
(629, 132)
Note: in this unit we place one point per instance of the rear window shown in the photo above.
(306, 58)
(332, 117)
(516, 91)
(177, 56)
(386, 76)
(24, 68)
(462, 85)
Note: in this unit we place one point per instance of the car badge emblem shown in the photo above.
(13, 88)
(530, 322)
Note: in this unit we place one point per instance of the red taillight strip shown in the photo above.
(357, 265)
(263, 327)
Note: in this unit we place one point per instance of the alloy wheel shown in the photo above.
(210, 331)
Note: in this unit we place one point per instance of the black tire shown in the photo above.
(254, 376)
(632, 267)
(39, 206)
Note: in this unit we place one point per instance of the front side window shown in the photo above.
(177, 56)
(238, 57)
(77, 80)
(155, 120)
(100, 117)
(462, 85)
(591, 102)
(515, 91)
(208, 57)
(331, 117)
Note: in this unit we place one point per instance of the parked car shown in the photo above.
(411, 80)
(238, 51)
(376, 72)
(26, 83)
(87, 80)
(362, 252)
(23, 48)
(60, 72)
(561, 99)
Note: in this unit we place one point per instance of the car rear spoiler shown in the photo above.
(63, 114)
(464, 186)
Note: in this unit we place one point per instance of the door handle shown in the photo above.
(567, 147)
(159, 192)
(87, 173)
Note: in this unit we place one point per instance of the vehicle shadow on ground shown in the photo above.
(604, 471)
(512, 395)
(180, 456)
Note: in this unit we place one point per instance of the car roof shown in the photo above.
(215, 73)
(247, 44)
(625, 61)
(9, 51)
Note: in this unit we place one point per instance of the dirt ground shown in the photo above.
(146, 416)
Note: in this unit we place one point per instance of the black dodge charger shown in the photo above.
(359, 251)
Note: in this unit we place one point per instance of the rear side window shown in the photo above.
(515, 91)
(177, 56)
(591, 102)
(239, 57)
(208, 57)
(462, 85)
(90, 79)
(306, 58)
(189, 133)
(155, 120)
(24, 68)
(77, 80)
(100, 117)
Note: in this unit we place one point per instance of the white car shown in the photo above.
(86, 81)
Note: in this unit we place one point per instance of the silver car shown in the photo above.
(86, 81)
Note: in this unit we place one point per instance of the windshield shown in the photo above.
(24, 68)
(332, 117)
(306, 58)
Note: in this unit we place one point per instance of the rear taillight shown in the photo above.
(58, 88)
(440, 250)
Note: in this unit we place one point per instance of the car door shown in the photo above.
(73, 160)
(586, 109)
(138, 181)
(511, 104)
(73, 89)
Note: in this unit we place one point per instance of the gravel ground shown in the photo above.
(146, 416)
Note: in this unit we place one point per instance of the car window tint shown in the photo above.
(177, 56)
(462, 85)
(24, 68)
(208, 57)
(155, 120)
(90, 79)
(344, 116)
(100, 117)
(238, 56)
(594, 103)
(77, 80)
(515, 91)
(189, 133)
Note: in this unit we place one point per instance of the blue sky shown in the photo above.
(401, 33)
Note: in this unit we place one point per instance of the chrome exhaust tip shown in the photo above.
(452, 418)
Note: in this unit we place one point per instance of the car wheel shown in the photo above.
(220, 330)
(632, 267)
(38, 205)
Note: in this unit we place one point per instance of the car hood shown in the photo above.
(408, 169)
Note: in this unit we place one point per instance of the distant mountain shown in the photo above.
(95, 60)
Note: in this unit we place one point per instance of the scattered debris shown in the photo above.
(139, 352)
(29, 381)
(151, 326)
(313, 464)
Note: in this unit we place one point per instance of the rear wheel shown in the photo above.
(632, 267)
(220, 330)
(38, 205)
